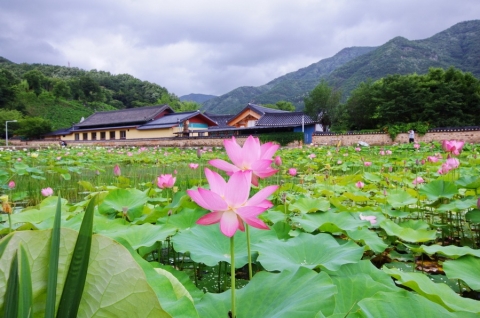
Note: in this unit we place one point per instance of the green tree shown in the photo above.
(361, 108)
(33, 127)
(284, 105)
(7, 90)
(324, 102)
(9, 115)
(35, 80)
(61, 90)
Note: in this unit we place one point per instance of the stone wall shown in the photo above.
(468, 135)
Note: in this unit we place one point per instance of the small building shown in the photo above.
(138, 123)
(255, 119)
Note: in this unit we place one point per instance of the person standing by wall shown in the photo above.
(411, 136)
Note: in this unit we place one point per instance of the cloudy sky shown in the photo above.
(211, 46)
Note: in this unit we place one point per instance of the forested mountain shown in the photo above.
(63, 95)
(458, 46)
(291, 87)
(197, 98)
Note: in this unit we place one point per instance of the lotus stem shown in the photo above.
(9, 223)
(247, 231)
(232, 276)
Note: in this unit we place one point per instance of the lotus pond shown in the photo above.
(325, 232)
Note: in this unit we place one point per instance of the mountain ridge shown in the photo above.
(457, 46)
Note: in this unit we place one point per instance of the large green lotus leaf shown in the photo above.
(44, 211)
(451, 251)
(329, 221)
(355, 197)
(407, 234)
(439, 189)
(309, 205)
(307, 250)
(405, 304)
(473, 216)
(354, 288)
(438, 293)
(300, 294)
(115, 284)
(137, 235)
(183, 219)
(465, 268)
(364, 267)
(133, 200)
(372, 177)
(183, 278)
(275, 214)
(208, 245)
(399, 198)
(415, 225)
(469, 182)
(178, 304)
(458, 205)
(369, 238)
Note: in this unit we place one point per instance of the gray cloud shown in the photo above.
(211, 46)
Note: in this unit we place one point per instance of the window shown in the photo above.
(94, 136)
(251, 123)
(85, 136)
(112, 135)
(77, 136)
(103, 135)
(123, 134)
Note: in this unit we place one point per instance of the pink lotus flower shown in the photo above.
(339, 162)
(388, 152)
(432, 159)
(278, 161)
(47, 192)
(311, 156)
(166, 181)
(292, 172)
(358, 149)
(253, 156)
(229, 202)
(381, 153)
(129, 154)
(372, 219)
(444, 169)
(11, 184)
(117, 171)
(360, 184)
(453, 146)
(367, 163)
(416, 146)
(453, 163)
(418, 180)
(193, 166)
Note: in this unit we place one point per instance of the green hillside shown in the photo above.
(64, 95)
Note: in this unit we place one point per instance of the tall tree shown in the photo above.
(35, 80)
(323, 103)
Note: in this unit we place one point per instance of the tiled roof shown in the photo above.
(220, 119)
(59, 132)
(285, 119)
(263, 110)
(171, 120)
(138, 115)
